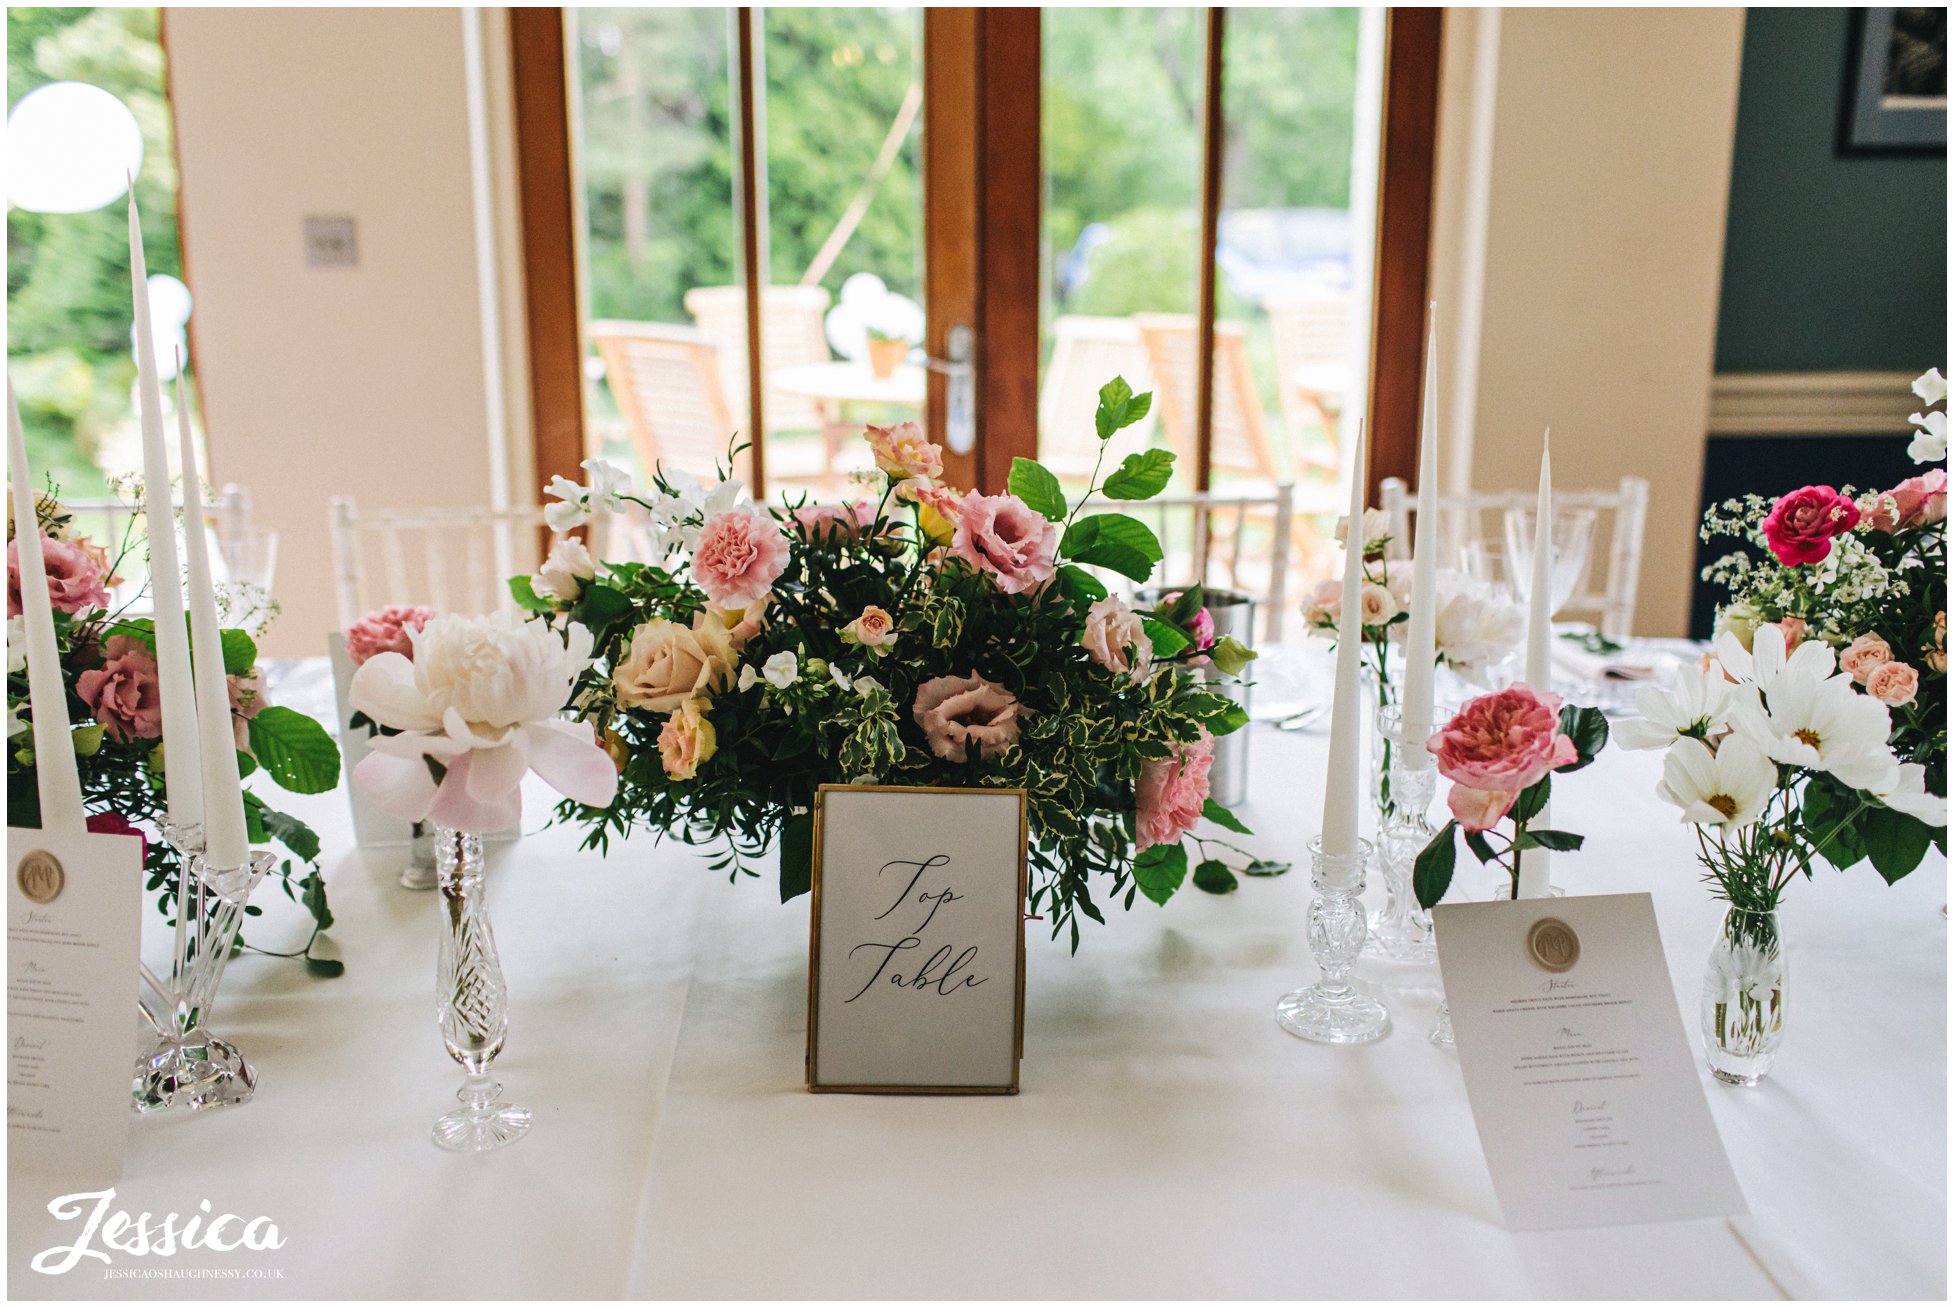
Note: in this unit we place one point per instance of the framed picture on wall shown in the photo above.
(1896, 82)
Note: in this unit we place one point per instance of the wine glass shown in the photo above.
(1571, 535)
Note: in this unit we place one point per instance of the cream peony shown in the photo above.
(669, 663)
(481, 698)
(1474, 628)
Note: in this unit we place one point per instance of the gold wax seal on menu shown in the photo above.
(1553, 944)
(40, 877)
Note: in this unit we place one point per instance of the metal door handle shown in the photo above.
(960, 407)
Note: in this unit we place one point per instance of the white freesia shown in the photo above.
(1727, 787)
(1697, 705)
(1909, 795)
(1930, 386)
(565, 571)
(781, 670)
(481, 697)
(748, 676)
(1475, 628)
(839, 677)
(1822, 724)
(1929, 444)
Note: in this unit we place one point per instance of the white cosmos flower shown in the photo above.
(781, 670)
(1725, 788)
(1930, 386)
(1909, 795)
(1766, 663)
(482, 696)
(1822, 724)
(1697, 705)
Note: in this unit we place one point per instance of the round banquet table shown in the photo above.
(1170, 1141)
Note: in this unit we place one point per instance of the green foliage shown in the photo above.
(1159, 871)
(1033, 483)
(1141, 476)
(1113, 540)
(294, 749)
(1431, 871)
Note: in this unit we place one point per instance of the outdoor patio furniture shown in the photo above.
(791, 333)
(1088, 352)
(666, 380)
(1311, 332)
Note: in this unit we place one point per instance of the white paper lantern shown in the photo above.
(71, 147)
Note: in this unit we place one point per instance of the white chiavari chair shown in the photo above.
(454, 560)
(1235, 541)
(1621, 522)
(111, 522)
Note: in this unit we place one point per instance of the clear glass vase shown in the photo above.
(419, 873)
(473, 1000)
(1743, 997)
(1401, 930)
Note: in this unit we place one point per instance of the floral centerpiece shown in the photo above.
(108, 664)
(926, 637)
(1500, 752)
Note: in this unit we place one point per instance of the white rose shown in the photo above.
(1379, 605)
(781, 670)
(563, 574)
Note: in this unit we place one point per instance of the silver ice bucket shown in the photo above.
(1233, 612)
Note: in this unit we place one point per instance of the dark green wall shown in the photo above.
(1831, 261)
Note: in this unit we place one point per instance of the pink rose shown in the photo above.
(741, 553)
(114, 824)
(385, 631)
(1794, 632)
(955, 712)
(247, 697)
(836, 523)
(873, 630)
(1916, 502)
(1800, 527)
(1116, 639)
(1002, 535)
(686, 740)
(1865, 656)
(1172, 792)
(74, 576)
(1936, 658)
(903, 451)
(123, 693)
(1893, 684)
(1497, 746)
(1324, 605)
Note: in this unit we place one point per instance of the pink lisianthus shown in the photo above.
(1004, 536)
(114, 824)
(75, 576)
(1801, 526)
(741, 553)
(1172, 793)
(123, 693)
(1916, 502)
(1495, 747)
(385, 631)
(957, 712)
(1202, 625)
(836, 522)
(938, 509)
(904, 452)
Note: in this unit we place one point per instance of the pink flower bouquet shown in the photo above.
(925, 636)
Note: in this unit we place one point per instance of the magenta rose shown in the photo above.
(123, 693)
(1497, 746)
(385, 631)
(75, 576)
(114, 824)
(957, 712)
(1172, 792)
(836, 522)
(1002, 535)
(1801, 526)
(741, 553)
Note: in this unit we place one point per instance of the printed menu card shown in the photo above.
(1582, 1082)
(73, 934)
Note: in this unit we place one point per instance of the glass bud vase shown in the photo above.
(1401, 930)
(419, 874)
(1743, 997)
(473, 1000)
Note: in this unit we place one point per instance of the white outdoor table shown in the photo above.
(1169, 1141)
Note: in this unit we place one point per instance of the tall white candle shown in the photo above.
(54, 748)
(225, 845)
(1420, 637)
(1341, 790)
(1536, 877)
(182, 780)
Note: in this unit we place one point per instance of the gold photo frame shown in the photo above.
(822, 904)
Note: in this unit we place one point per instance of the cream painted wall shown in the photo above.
(365, 381)
(1583, 179)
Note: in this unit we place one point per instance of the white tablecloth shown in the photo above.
(1169, 1140)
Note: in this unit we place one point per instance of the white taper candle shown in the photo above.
(54, 748)
(182, 779)
(1536, 876)
(225, 845)
(1342, 789)
(1420, 637)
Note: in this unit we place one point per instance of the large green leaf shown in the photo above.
(1431, 873)
(1895, 841)
(289, 832)
(1119, 407)
(1166, 638)
(1588, 729)
(1159, 871)
(1221, 817)
(1080, 586)
(1213, 876)
(294, 749)
(796, 856)
(1140, 476)
(1034, 483)
(600, 605)
(1113, 540)
(526, 596)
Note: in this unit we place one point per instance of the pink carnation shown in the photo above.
(741, 553)
(1173, 791)
(1004, 536)
(1497, 746)
(123, 693)
(384, 631)
(75, 580)
(957, 712)
(1800, 527)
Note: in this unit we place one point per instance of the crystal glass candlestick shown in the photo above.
(187, 1066)
(1401, 930)
(473, 1000)
(1330, 1011)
